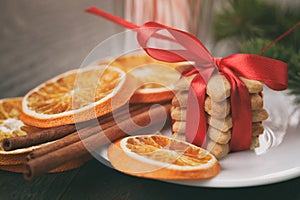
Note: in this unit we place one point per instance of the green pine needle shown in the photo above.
(256, 23)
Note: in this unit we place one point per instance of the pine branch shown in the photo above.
(253, 18)
(256, 23)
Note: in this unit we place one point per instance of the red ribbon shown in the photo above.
(270, 71)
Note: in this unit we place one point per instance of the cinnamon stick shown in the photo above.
(85, 132)
(51, 134)
(44, 163)
(42, 136)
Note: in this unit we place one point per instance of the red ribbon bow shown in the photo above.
(270, 71)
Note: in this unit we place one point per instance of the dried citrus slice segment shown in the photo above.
(156, 77)
(10, 124)
(77, 95)
(161, 157)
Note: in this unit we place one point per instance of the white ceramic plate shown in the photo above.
(249, 169)
(276, 160)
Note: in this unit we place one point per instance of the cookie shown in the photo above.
(180, 99)
(172, 108)
(259, 115)
(256, 101)
(224, 137)
(257, 128)
(226, 123)
(217, 109)
(178, 114)
(220, 124)
(254, 142)
(218, 150)
(218, 136)
(253, 86)
(218, 87)
(221, 150)
(179, 127)
(184, 82)
(222, 109)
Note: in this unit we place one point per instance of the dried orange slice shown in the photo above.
(161, 157)
(77, 95)
(156, 77)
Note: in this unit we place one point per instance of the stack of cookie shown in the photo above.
(218, 110)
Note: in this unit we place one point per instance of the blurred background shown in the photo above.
(40, 39)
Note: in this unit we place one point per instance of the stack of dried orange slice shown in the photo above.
(87, 93)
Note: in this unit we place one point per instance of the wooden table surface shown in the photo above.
(40, 39)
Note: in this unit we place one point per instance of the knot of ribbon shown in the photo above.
(269, 71)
